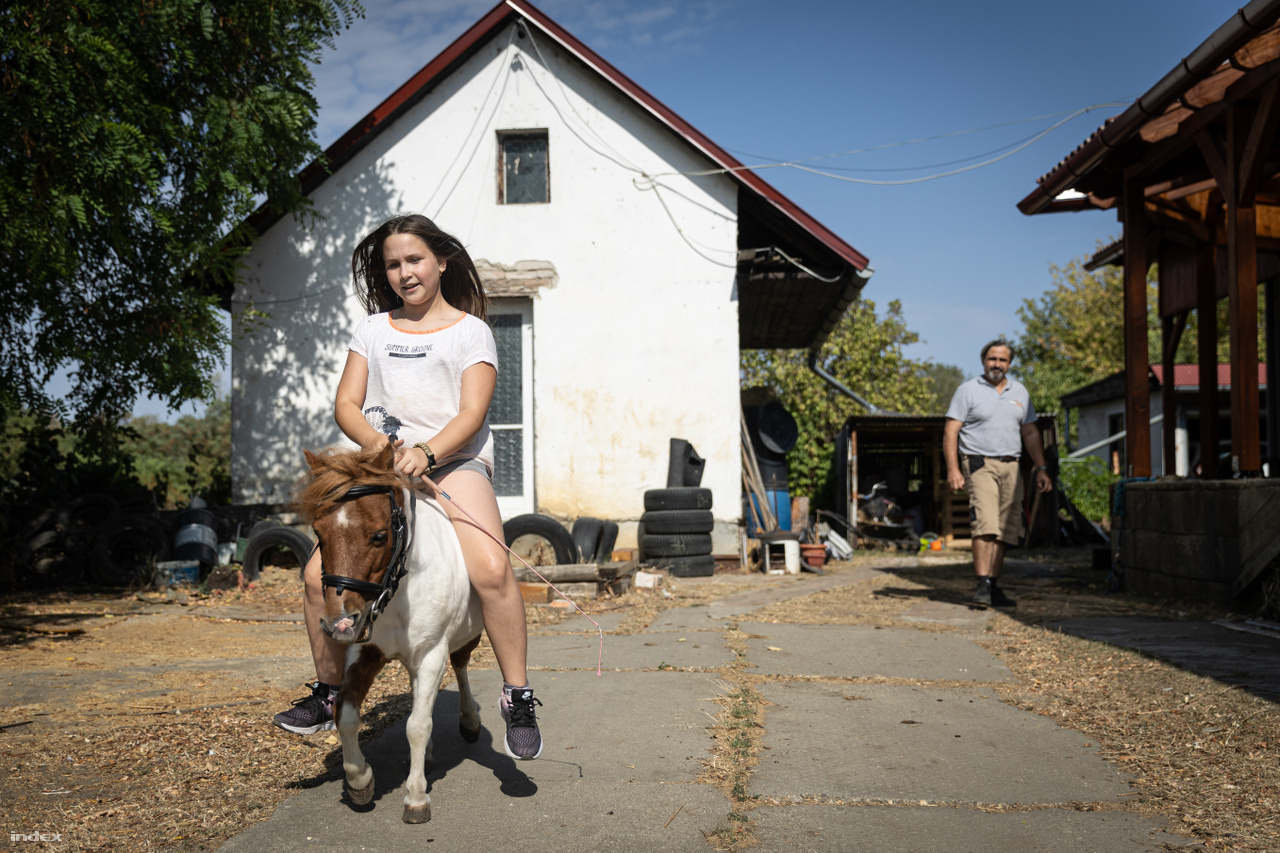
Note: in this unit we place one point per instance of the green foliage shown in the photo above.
(1074, 334)
(135, 138)
(191, 457)
(1086, 482)
(865, 353)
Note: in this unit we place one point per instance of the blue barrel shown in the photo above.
(779, 501)
(195, 539)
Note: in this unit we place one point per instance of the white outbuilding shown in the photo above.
(629, 259)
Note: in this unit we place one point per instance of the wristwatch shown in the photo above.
(1044, 468)
(431, 457)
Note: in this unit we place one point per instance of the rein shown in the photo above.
(395, 570)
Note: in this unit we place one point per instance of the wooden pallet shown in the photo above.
(955, 519)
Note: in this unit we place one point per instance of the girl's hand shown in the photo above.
(411, 461)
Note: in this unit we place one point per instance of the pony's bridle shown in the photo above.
(380, 593)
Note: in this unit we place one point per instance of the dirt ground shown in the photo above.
(140, 721)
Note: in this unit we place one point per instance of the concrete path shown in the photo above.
(886, 740)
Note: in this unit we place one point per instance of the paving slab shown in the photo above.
(698, 618)
(863, 651)
(694, 650)
(786, 588)
(891, 743)
(613, 776)
(1233, 657)
(577, 624)
(888, 829)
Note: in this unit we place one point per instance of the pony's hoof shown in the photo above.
(417, 814)
(469, 735)
(362, 796)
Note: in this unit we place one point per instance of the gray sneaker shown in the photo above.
(523, 741)
(309, 714)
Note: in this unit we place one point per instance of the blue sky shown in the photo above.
(808, 78)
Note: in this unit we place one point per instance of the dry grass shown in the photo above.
(129, 774)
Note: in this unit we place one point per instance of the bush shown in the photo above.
(1087, 482)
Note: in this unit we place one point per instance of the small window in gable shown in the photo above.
(525, 170)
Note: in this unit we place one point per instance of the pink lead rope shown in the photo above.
(599, 630)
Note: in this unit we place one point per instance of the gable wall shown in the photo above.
(636, 343)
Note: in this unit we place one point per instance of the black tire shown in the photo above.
(586, 536)
(128, 551)
(49, 563)
(545, 527)
(267, 542)
(260, 526)
(608, 538)
(678, 521)
(701, 566)
(675, 544)
(686, 497)
(88, 512)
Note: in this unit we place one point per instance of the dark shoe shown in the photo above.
(982, 595)
(523, 741)
(310, 714)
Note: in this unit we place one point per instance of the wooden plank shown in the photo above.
(571, 573)
(1242, 300)
(1207, 338)
(1137, 392)
(535, 593)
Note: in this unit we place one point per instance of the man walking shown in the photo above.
(988, 421)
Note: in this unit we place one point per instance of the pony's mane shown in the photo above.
(324, 486)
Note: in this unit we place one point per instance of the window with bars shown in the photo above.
(525, 168)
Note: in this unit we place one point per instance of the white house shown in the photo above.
(629, 259)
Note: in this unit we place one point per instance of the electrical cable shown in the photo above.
(797, 164)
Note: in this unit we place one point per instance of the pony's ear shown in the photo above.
(312, 459)
(386, 459)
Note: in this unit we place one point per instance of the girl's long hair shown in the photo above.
(459, 283)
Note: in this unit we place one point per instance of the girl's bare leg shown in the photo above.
(489, 570)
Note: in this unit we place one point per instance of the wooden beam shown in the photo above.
(1137, 398)
(1273, 374)
(1207, 338)
(1214, 157)
(1242, 301)
(1262, 135)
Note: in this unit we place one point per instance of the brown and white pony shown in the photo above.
(396, 588)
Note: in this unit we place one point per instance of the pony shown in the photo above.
(395, 588)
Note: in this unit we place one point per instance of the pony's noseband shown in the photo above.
(379, 593)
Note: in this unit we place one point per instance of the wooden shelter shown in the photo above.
(1192, 169)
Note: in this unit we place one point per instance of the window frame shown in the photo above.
(526, 133)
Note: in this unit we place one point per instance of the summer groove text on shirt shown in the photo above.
(403, 351)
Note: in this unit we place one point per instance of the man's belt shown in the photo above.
(992, 458)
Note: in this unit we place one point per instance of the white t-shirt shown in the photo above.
(415, 379)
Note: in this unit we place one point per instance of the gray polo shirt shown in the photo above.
(990, 420)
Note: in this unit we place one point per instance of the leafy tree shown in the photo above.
(136, 136)
(191, 457)
(865, 353)
(945, 378)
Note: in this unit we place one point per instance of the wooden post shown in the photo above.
(1273, 375)
(1137, 397)
(1168, 398)
(1242, 297)
(1207, 332)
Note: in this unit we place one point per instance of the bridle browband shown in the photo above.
(381, 593)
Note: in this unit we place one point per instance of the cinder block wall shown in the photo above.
(1197, 540)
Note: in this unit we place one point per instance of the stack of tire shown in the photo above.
(675, 531)
(91, 535)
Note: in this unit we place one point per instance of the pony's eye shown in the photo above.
(380, 537)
